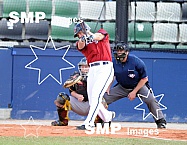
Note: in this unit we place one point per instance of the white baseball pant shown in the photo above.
(100, 76)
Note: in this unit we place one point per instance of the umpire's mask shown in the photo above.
(120, 51)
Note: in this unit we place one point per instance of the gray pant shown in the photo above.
(118, 92)
(81, 108)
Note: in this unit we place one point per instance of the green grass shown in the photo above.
(84, 141)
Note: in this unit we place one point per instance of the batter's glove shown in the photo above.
(72, 80)
(87, 39)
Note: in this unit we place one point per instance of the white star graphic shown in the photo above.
(28, 66)
(144, 112)
(160, 12)
(28, 131)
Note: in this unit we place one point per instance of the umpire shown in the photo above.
(131, 75)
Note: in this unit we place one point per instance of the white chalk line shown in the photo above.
(152, 137)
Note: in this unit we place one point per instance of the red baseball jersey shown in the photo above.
(98, 50)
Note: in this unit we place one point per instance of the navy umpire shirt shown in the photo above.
(129, 73)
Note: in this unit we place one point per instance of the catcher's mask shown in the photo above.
(83, 67)
(79, 28)
(120, 51)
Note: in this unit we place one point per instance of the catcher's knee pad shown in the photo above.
(62, 97)
(64, 100)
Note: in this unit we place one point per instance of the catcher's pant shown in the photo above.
(119, 92)
(100, 76)
(81, 108)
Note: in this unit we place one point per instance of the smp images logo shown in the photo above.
(26, 17)
(103, 129)
(29, 17)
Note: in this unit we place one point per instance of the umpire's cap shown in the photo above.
(121, 46)
(79, 27)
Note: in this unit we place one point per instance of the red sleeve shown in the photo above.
(102, 31)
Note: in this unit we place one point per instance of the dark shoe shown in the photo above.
(82, 127)
(59, 123)
(161, 123)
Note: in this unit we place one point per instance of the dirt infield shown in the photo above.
(27, 129)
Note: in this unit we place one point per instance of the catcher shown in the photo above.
(78, 100)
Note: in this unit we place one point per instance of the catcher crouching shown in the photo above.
(78, 100)
(63, 106)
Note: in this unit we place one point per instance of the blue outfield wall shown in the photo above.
(31, 83)
(5, 77)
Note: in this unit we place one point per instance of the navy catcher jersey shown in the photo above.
(129, 73)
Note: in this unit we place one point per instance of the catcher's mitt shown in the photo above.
(72, 80)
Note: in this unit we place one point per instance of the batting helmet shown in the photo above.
(79, 28)
(120, 46)
(62, 97)
(83, 70)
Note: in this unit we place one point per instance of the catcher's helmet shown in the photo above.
(62, 97)
(79, 28)
(120, 46)
(83, 67)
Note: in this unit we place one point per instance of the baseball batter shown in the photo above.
(131, 75)
(96, 48)
(78, 100)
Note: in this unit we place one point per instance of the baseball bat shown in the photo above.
(82, 24)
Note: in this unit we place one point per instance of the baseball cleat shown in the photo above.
(161, 123)
(82, 127)
(59, 123)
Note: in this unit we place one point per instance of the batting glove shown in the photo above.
(83, 38)
(87, 39)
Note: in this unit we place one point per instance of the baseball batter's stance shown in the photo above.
(78, 99)
(96, 48)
